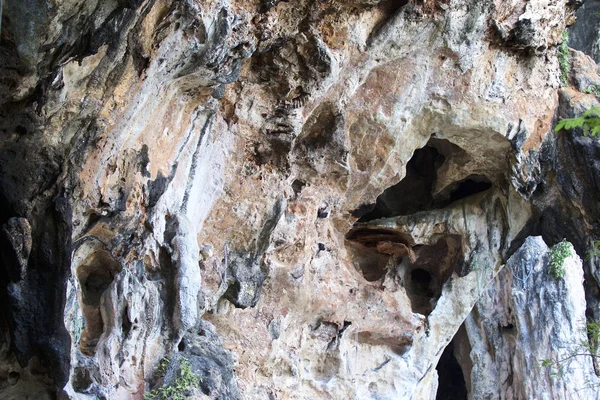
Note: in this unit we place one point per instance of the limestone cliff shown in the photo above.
(295, 199)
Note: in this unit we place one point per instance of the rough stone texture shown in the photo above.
(324, 189)
(526, 316)
(201, 347)
(584, 35)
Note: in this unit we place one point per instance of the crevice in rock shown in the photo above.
(246, 270)
(95, 272)
(168, 272)
(399, 345)
(419, 191)
(126, 323)
(471, 185)
(452, 384)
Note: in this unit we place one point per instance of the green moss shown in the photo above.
(564, 59)
(558, 254)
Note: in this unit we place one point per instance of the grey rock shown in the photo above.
(208, 360)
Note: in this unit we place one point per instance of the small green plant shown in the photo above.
(593, 332)
(179, 389)
(161, 369)
(589, 122)
(594, 252)
(585, 348)
(594, 89)
(564, 59)
(558, 254)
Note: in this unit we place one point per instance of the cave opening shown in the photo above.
(414, 192)
(421, 279)
(417, 190)
(422, 290)
(425, 275)
(451, 380)
(95, 273)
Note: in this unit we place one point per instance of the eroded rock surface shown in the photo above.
(526, 316)
(305, 199)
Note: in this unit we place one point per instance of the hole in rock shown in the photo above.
(423, 291)
(95, 271)
(454, 368)
(81, 379)
(13, 377)
(421, 280)
(181, 345)
(433, 265)
(371, 249)
(459, 190)
(508, 327)
(297, 186)
(414, 192)
(418, 190)
(451, 384)
(125, 322)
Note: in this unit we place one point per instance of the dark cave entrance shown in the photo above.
(451, 379)
(454, 368)
(416, 192)
(413, 193)
(425, 276)
(95, 272)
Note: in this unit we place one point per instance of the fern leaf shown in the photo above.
(592, 112)
(560, 126)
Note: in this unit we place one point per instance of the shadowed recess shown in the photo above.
(451, 384)
(416, 191)
(95, 271)
(432, 267)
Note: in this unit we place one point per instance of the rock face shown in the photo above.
(526, 316)
(584, 35)
(302, 200)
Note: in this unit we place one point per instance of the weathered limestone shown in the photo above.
(527, 316)
(304, 199)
